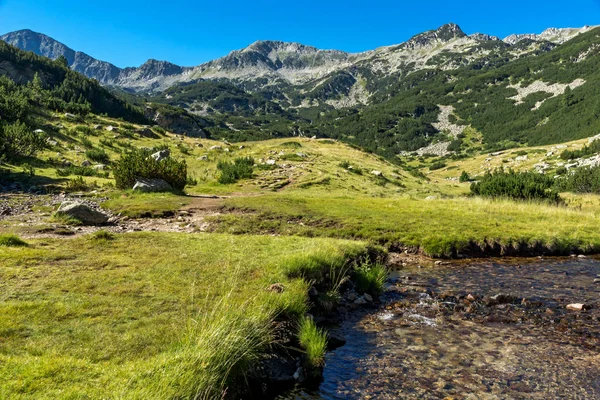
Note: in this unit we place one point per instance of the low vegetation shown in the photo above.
(516, 185)
(231, 172)
(138, 163)
(314, 342)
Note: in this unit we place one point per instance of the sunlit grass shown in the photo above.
(146, 315)
(439, 227)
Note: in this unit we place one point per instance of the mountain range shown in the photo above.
(274, 62)
(442, 92)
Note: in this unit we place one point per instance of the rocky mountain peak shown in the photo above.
(443, 34)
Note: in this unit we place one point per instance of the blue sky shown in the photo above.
(128, 32)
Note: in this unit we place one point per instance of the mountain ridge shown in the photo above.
(293, 62)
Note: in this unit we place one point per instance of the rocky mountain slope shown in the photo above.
(267, 63)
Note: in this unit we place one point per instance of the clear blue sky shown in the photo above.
(128, 32)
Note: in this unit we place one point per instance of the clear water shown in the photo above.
(426, 341)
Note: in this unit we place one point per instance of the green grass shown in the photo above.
(439, 227)
(370, 277)
(136, 205)
(148, 315)
(314, 342)
(8, 240)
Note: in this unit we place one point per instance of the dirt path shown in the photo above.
(30, 216)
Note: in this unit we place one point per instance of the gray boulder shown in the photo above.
(161, 155)
(151, 185)
(86, 163)
(82, 212)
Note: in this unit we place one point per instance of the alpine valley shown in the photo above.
(415, 96)
(286, 222)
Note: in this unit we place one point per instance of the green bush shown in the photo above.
(139, 164)
(97, 155)
(582, 180)
(437, 165)
(17, 140)
(241, 168)
(516, 185)
(464, 177)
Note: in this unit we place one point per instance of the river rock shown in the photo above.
(361, 301)
(161, 155)
(151, 185)
(82, 212)
(578, 307)
(368, 297)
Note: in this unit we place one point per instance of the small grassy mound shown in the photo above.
(9, 240)
(370, 278)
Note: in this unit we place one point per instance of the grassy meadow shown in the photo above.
(151, 315)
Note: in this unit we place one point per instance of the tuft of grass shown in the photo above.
(65, 220)
(102, 235)
(370, 277)
(9, 240)
(314, 342)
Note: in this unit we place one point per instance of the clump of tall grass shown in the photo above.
(370, 277)
(216, 351)
(9, 240)
(314, 343)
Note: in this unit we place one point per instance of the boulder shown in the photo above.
(376, 173)
(161, 155)
(70, 116)
(151, 185)
(215, 148)
(100, 167)
(203, 158)
(111, 128)
(86, 163)
(38, 131)
(82, 212)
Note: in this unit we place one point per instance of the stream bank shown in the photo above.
(497, 329)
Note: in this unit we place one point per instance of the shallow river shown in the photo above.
(441, 332)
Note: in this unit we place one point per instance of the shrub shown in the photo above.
(78, 185)
(8, 240)
(516, 185)
(97, 155)
(583, 180)
(437, 165)
(139, 164)
(87, 143)
(17, 140)
(464, 177)
(241, 168)
(314, 342)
